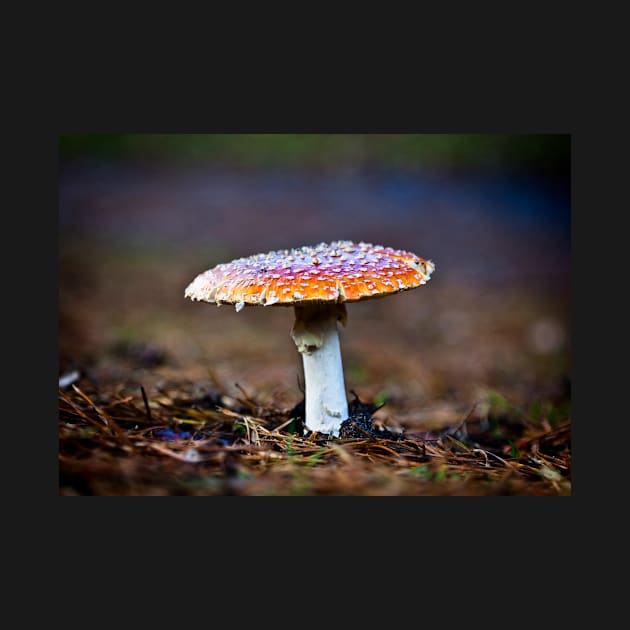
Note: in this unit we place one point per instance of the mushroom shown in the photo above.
(317, 281)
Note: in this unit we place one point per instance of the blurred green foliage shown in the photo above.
(547, 152)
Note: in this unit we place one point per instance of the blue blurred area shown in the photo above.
(489, 223)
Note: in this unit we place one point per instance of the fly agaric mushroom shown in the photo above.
(317, 281)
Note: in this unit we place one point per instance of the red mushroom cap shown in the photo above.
(341, 271)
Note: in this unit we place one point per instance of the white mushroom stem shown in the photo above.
(316, 336)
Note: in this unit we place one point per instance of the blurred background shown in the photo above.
(141, 215)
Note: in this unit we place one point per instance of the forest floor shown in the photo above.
(458, 387)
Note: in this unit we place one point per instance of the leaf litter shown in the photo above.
(164, 442)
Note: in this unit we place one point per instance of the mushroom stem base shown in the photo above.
(316, 336)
